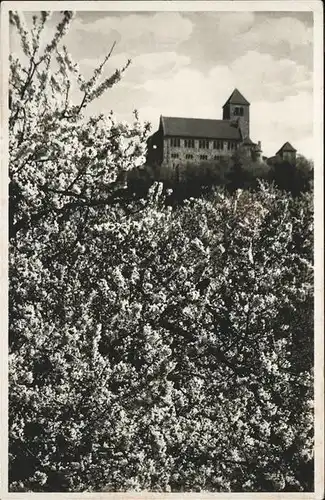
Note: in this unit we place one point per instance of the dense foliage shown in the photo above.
(151, 348)
(238, 171)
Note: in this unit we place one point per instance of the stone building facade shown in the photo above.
(195, 140)
(180, 141)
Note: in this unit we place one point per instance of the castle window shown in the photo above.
(217, 144)
(203, 144)
(239, 111)
(189, 143)
(203, 157)
(175, 142)
(189, 157)
(175, 155)
(231, 145)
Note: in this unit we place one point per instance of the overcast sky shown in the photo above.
(188, 63)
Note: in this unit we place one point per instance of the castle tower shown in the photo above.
(237, 108)
(287, 153)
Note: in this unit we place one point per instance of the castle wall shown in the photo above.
(184, 153)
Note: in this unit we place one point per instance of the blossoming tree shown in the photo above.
(150, 348)
(59, 161)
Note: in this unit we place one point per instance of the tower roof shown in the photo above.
(236, 98)
(287, 147)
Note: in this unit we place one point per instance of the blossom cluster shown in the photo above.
(58, 157)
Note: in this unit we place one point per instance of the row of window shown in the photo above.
(175, 142)
(218, 144)
(189, 156)
(203, 143)
(189, 143)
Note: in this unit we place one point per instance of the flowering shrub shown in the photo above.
(150, 348)
(166, 350)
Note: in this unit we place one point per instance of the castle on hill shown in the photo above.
(197, 140)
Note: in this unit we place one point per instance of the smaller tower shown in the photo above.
(287, 153)
(257, 152)
(237, 107)
(246, 147)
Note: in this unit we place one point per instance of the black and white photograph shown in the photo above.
(162, 164)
